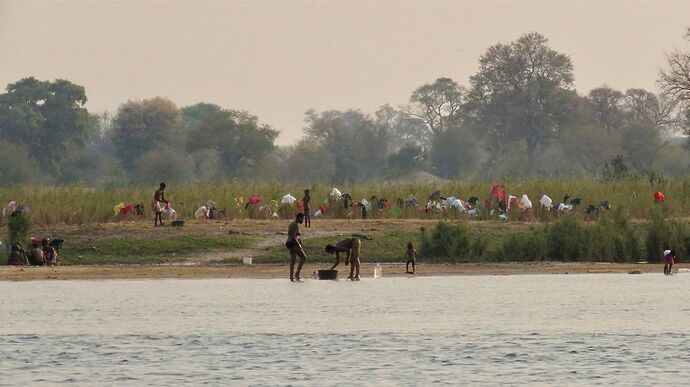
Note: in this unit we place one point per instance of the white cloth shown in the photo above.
(9, 208)
(201, 213)
(288, 199)
(335, 194)
(546, 201)
(525, 202)
(168, 210)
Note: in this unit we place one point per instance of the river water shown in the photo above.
(525, 329)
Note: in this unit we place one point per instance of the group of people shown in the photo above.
(40, 254)
(351, 247)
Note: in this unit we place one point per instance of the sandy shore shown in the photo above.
(263, 271)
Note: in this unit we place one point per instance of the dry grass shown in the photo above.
(83, 205)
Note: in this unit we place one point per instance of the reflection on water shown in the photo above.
(580, 329)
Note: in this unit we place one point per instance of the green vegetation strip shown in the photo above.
(148, 250)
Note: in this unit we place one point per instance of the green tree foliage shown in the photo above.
(48, 118)
(454, 153)
(309, 163)
(522, 93)
(641, 144)
(165, 164)
(358, 146)
(17, 166)
(406, 160)
(438, 104)
(141, 126)
(588, 146)
(607, 107)
(236, 137)
(404, 130)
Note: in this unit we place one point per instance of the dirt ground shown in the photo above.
(264, 271)
(272, 233)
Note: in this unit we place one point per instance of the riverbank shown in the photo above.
(267, 271)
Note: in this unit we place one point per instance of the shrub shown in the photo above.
(568, 240)
(18, 227)
(524, 246)
(615, 240)
(448, 241)
(662, 232)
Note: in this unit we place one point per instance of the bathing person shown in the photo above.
(410, 258)
(305, 201)
(294, 246)
(352, 247)
(669, 259)
(158, 198)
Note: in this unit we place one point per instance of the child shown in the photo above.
(305, 203)
(410, 257)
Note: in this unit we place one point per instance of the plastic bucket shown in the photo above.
(247, 260)
(328, 274)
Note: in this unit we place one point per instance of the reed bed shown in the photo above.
(83, 205)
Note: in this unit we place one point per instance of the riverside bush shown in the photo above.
(18, 227)
(448, 241)
(661, 232)
(524, 246)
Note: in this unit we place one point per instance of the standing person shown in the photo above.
(305, 202)
(352, 247)
(158, 198)
(294, 245)
(410, 258)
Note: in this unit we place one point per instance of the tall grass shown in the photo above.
(81, 204)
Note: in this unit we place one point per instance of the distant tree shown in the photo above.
(17, 167)
(193, 116)
(404, 161)
(675, 78)
(309, 163)
(404, 130)
(141, 126)
(236, 136)
(645, 107)
(49, 118)
(588, 146)
(522, 92)
(641, 144)
(438, 103)
(358, 146)
(454, 153)
(164, 164)
(607, 107)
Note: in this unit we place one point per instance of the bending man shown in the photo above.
(294, 245)
(352, 247)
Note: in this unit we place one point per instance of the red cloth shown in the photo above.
(126, 210)
(498, 192)
(659, 197)
(322, 209)
(254, 200)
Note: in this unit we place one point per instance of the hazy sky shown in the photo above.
(277, 60)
